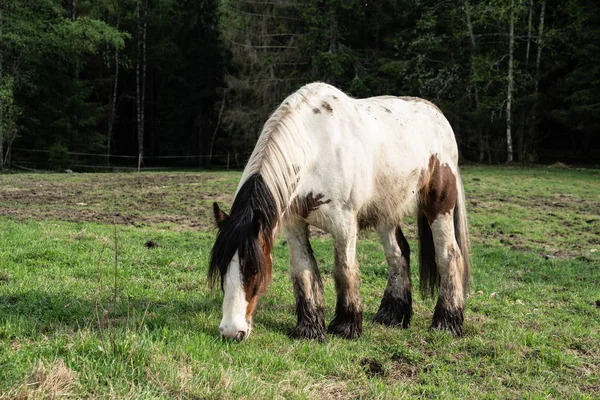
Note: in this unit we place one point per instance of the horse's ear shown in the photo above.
(257, 221)
(220, 216)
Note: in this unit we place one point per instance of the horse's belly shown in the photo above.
(390, 206)
(387, 199)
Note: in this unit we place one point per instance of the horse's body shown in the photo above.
(342, 164)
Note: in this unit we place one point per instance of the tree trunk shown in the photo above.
(7, 159)
(481, 139)
(137, 86)
(540, 42)
(470, 24)
(1, 103)
(532, 125)
(212, 142)
(521, 139)
(113, 106)
(529, 33)
(74, 119)
(143, 100)
(511, 44)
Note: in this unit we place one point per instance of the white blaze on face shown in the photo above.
(234, 324)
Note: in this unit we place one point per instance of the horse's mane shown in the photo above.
(283, 148)
(266, 188)
(253, 211)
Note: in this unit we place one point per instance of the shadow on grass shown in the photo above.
(32, 313)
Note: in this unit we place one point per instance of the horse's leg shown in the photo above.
(449, 311)
(308, 287)
(396, 305)
(348, 310)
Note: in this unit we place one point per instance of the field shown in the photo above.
(103, 295)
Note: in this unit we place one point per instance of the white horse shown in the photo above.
(343, 164)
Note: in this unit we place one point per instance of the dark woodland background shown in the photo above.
(184, 83)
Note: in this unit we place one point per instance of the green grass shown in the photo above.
(532, 326)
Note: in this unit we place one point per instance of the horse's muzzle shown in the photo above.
(239, 335)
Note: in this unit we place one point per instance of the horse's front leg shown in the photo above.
(347, 322)
(308, 287)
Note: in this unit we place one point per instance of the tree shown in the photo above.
(141, 87)
(45, 50)
(510, 78)
(10, 113)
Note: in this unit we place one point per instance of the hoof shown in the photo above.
(348, 328)
(308, 332)
(394, 312)
(450, 320)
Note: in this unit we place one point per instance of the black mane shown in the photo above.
(253, 211)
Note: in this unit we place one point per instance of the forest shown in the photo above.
(97, 84)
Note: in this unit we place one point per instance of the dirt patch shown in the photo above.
(565, 220)
(591, 389)
(330, 388)
(182, 199)
(151, 244)
(372, 367)
(402, 368)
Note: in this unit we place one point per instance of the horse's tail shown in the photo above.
(461, 232)
(429, 275)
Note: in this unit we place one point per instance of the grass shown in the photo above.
(532, 326)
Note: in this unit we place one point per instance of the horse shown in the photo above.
(343, 164)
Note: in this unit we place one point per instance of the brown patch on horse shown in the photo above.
(387, 109)
(316, 110)
(327, 107)
(253, 285)
(439, 191)
(304, 206)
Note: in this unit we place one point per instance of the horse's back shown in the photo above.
(408, 127)
(368, 156)
(367, 139)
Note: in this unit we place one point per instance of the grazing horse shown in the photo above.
(343, 164)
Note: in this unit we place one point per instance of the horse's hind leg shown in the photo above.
(449, 311)
(348, 310)
(308, 287)
(443, 254)
(396, 305)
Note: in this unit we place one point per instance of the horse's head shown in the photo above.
(241, 257)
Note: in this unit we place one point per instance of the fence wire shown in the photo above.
(41, 160)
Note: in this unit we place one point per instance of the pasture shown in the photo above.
(103, 295)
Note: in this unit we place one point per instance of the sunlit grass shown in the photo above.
(531, 328)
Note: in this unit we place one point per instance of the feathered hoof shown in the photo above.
(346, 328)
(308, 332)
(448, 320)
(394, 312)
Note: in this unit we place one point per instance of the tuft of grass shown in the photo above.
(67, 328)
(55, 381)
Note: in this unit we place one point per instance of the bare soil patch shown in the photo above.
(372, 367)
(180, 199)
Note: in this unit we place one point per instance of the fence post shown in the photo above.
(227, 161)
